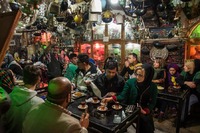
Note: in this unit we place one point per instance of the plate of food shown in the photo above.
(160, 88)
(177, 87)
(117, 107)
(82, 107)
(102, 108)
(78, 94)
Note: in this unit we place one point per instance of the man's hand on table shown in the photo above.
(84, 121)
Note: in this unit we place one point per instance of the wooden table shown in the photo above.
(177, 98)
(102, 122)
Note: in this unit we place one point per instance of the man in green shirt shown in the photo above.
(72, 66)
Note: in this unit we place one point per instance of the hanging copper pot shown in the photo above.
(158, 45)
(64, 6)
(14, 6)
(140, 12)
(172, 47)
(161, 7)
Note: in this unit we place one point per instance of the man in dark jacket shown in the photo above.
(109, 83)
(53, 60)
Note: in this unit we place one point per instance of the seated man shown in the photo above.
(52, 116)
(109, 83)
(85, 73)
(23, 98)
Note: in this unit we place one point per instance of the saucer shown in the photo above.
(114, 107)
(98, 101)
(160, 88)
(81, 107)
(100, 108)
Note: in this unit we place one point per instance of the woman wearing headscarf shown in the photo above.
(143, 91)
(7, 80)
(172, 74)
(13, 65)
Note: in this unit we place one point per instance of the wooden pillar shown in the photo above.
(106, 43)
(122, 46)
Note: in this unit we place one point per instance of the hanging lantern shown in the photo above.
(95, 6)
(78, 19)
(93, 17)
(119, 19)
(64, 6)
(161, 7)
(140, 12)
(107, 16)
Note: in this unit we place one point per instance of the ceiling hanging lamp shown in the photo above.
(95, 6)
(107, 16)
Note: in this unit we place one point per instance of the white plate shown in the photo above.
(119, 107)
(98, 101)
(100, 108)
(78, 94)
(160, 88)
(81, 107)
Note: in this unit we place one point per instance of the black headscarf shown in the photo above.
(149, 72)
(196, 65)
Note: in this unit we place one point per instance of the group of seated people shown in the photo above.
(28, 113)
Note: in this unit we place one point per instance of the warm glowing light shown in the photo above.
(114, 1)
(97, 46)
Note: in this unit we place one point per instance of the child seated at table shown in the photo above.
(172, 86)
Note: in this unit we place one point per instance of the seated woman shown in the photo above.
(160, 73)
(190, 79)
(140, 90)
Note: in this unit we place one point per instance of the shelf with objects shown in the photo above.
(170, 50)
(104, 40)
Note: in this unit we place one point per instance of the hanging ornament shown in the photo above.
(64, 6)
(95, 6)
(107, 15)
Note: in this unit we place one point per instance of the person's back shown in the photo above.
(86, 72)
(52, 116)
(23, 99)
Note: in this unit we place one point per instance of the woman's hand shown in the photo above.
(110, 94)
(142, 111)
(190, 84)
(106, 100)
